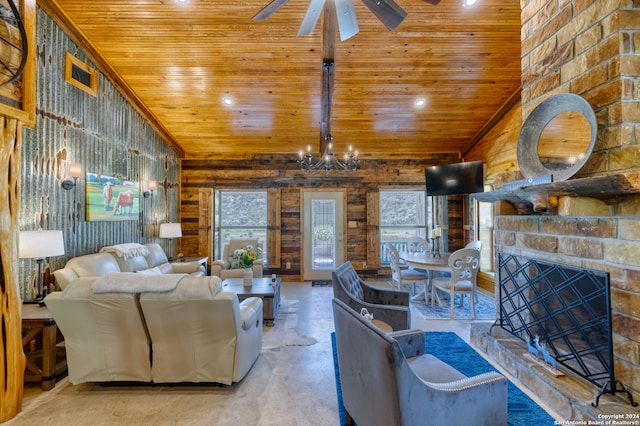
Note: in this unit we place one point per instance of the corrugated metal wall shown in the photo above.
(105, 135)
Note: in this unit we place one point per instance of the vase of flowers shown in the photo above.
(248, 256)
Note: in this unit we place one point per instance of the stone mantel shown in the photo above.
(540, 198)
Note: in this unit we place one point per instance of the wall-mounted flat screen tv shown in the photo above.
(455, 179)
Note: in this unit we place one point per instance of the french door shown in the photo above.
(322, 233)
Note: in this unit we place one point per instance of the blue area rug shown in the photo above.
(522, 410)
(485, 307)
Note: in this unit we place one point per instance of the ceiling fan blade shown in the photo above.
(311, 17)
(347, 21)
(270, 9)
(388, 12)
(433, 2)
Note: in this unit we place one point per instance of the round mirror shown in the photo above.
(564, 141)
(557, 137)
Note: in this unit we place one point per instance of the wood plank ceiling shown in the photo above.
(177, 62)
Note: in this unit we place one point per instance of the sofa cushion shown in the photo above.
(93, 265)
(156, 256)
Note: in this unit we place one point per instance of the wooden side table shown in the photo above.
(40, 346)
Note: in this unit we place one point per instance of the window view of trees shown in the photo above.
(240, 214)
(403, 214)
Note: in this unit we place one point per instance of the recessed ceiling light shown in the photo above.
(183, 1)
(227, 100)
(468, 3)
(420, 102)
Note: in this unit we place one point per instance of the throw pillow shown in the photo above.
(235, 260)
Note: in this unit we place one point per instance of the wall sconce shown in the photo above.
(38, 245)
(75, 171)
(147, 192)
(171, 231)
(151, 186)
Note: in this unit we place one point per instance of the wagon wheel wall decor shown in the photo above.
(13, 43)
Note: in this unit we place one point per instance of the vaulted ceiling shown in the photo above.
(176, 62)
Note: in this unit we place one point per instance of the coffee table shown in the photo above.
(262, 288)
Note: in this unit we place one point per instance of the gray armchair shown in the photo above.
(390, 306)
(387, 379)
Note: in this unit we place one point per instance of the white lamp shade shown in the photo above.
(170, 230)
(40, 244)
(75, 170)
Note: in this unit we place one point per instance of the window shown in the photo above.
(403, 214)
(80, 75)
(240, 214)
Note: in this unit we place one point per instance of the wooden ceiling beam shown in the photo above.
(329, 24)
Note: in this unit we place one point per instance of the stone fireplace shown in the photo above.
(609, 244)
(592, 49)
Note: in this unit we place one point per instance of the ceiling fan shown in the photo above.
(387, 11)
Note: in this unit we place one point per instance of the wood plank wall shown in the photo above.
(282, 173)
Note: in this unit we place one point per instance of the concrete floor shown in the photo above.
(291, 383)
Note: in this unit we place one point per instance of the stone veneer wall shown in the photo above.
(590, 48)
(610, 244)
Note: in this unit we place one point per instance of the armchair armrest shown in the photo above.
(222, 263)
(412, 342)
(398, 317)
(217, 267)
(384, 297)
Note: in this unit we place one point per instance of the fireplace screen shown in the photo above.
(567, 307)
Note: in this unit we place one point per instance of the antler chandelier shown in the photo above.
(387, 11)
(329, 161)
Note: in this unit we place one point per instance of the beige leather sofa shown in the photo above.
(141, 258)
(222, 267)
(192, 333)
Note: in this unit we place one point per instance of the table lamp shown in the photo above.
(171, 231)
(39, 245)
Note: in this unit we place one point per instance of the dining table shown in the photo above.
(429, 262)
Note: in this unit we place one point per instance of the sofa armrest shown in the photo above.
(412, 342)
(186, 267)
(251, 312)
(64, 276)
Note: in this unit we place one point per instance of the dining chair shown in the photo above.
(417, 245)
(475, 244)
(464, 264)
(405, 276)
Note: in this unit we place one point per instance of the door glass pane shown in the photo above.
(323, 215)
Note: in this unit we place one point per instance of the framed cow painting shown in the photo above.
(111, 198)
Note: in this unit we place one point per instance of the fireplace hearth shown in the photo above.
(566, 307)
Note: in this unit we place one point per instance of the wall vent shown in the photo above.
(81, 75)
